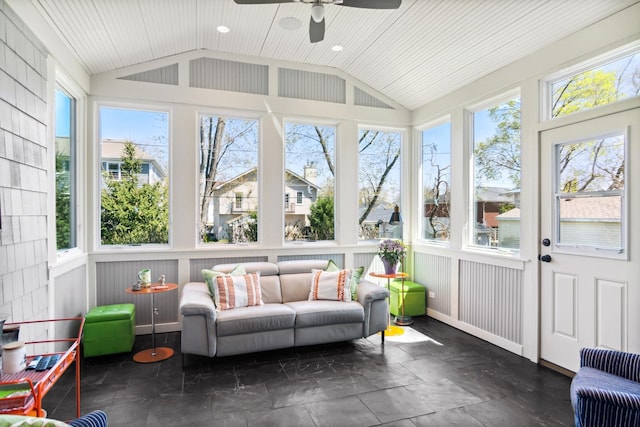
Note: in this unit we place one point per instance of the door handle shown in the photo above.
(544, 258)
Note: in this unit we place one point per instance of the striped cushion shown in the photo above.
(605, 391)
(238, 291)
(330, 285)
(622, 364)
(92, 419)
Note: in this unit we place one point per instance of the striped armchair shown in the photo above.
(606, 390)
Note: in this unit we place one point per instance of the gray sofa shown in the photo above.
(286, 319)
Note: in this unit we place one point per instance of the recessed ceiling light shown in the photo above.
(337, 48)
(222, 29)
(290, 23)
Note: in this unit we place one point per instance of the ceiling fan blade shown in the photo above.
(263, 1)
(371, 4)
(316, 31)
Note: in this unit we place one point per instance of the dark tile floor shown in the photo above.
(458, 380)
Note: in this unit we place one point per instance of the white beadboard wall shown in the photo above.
(113, 278)
(434, 272)
(490, 298)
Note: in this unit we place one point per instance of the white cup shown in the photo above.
(14, 357)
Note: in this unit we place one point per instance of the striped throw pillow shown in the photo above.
(330, 285)
(238, 291)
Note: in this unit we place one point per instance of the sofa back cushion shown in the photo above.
(269, 279)
(295, 278)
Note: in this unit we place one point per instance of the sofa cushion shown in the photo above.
(596, 379)
(248, 320)
(330, 285)
(210, 277)
(356, 275)
(238, 291)
(295, 278)
(318, 313)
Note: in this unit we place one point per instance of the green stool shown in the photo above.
(414, 302)
(109, 329)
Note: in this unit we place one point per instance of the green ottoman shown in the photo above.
(109, 329)
(414, 303)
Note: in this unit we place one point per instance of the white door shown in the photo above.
(589, 224)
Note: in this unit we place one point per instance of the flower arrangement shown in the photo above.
(392, 251)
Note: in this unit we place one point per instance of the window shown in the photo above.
(589, 190)
(135, 177)
(496, 172)
(436, 182)
(612, 81)
(66, 215)
(309, 173)
(379, 184)
(228, 195)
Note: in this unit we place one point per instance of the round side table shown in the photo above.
(153, 354)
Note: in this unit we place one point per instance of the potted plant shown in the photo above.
(391, 252)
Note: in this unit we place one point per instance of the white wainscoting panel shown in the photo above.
(490, 298)
(434, 272)
(611, 302)
(565, 305)
(113, 278)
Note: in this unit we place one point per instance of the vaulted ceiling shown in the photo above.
(412, 55)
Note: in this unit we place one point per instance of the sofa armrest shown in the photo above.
(196, 299)
(198, 320)
(369, 291)
(625, 365)
(376, 307)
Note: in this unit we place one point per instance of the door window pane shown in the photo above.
(228, 202)
(135, 177)
(436, 182)
(66, 223)
(379, 204)
(589, 193)
(310, 175)
(496, 201)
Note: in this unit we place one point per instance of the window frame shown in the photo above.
(404, 178)
(58, 257)
(233, 115)
(592, 250)
(469, 113)
(155, 108)
(311, 121)
(420, 176)
(546, 91)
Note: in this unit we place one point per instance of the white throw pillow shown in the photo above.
(330, 285)
(238, 291)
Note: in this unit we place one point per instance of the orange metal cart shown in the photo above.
(36, 384)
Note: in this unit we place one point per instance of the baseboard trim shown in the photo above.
(557, 368)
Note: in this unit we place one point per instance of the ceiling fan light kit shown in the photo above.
(317, 12)
(316, 23)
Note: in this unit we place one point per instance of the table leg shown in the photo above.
(154, 354)
(403, 320)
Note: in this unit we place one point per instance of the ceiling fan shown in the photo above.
(316, 24)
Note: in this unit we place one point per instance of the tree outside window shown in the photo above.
(135, 200)
(310, 174)
(614, 81)
(436, 182)
(378, 183)
(496, 150)
(228, 180)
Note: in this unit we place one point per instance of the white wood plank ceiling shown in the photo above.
(413, 55)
